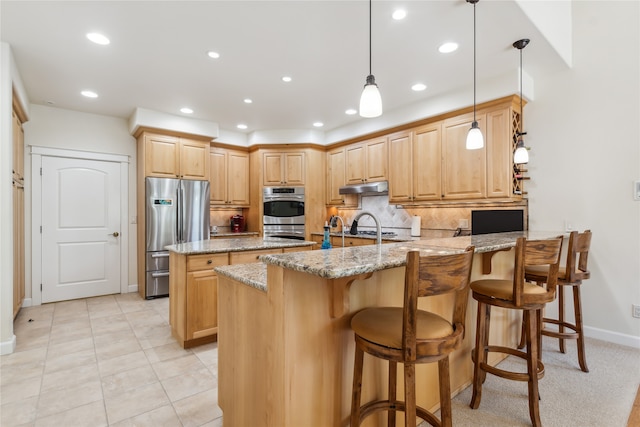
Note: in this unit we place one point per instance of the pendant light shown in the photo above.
(521, 155)
(370, 100)
(475, 139)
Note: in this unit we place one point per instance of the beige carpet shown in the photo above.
(569, 397)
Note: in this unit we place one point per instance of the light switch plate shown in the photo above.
(636, 190)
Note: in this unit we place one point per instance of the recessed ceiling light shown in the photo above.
(186, 110)
(448, 47)
(399, 14)
(351, 111)
(286, 79)
(89, 94)
(241, 126)
(214, 55)
(418, 87)
(318, 124)
(248, 100)
(98, 38)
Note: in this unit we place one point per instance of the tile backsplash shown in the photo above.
(436, 220)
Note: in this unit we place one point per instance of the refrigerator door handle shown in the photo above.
(179, 230)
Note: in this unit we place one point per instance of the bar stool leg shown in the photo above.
(357, 387)
(445, 392)
(480, 355)
(409, 394)
(393, 375)
(561, 316)
(532, 365)
(577, 306)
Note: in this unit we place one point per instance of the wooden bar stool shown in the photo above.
(407, 335)
(574, 272)
(516, 294)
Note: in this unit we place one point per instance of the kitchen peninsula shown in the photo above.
(285, 344)
(193, 285)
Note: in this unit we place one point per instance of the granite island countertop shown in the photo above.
(344, 262)
(235, 245)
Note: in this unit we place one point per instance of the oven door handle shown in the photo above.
(284, 199)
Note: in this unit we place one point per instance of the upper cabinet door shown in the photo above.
(427, 162)
(499, 157)
(283, 168)
(174, 157)
(238, 178)
(464, 171)
(194, 159)
(401, 168)
(218, 176)
(162, 156)
(367, 161)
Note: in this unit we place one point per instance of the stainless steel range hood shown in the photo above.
(369, 188)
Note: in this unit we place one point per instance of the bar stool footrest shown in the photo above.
(517, 376)
(385, 405)
(562, 335)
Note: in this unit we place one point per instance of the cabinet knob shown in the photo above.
(209, 261)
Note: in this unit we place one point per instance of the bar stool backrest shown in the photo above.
(536, 253)
(434, 275)
(577, 256)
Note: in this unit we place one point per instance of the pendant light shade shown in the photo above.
(521, 155)
(475, 140)
(370, 100)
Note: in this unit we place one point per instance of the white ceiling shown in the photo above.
(157, 57)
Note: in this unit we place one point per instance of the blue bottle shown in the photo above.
(326, 243)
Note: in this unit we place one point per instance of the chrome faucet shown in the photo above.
(334, 222)
(354, 225)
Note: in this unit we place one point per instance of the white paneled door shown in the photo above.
(80, 228)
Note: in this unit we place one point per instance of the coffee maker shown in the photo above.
(237, 223)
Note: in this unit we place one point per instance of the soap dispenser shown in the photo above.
(326, 243)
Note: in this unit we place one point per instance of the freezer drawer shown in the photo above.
(157, 261)
(157, 283)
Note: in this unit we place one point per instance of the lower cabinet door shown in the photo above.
(202, 304)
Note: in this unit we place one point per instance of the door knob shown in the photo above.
(116, 234)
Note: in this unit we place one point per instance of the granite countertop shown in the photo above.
(254, 275)
(235, 245)
(396, 238)
(344, 262)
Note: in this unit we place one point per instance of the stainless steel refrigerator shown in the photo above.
(177, 211)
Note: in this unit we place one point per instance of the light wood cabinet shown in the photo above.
(367, 161)
(499, 153)
(415, 164)
(18, 212)
(18, 148)
(336, 178)
(193, 293)
(464, 171)
(229, 177)
(168, 156)
(283, 168)
(247, 257)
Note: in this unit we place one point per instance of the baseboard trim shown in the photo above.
(8, 347)
(27, 302)
(132, 288)
(613, 337)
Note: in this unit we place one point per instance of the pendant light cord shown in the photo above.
(474, 62)
(521, 110)
(370, 37)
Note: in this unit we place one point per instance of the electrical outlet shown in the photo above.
(134, 219)
(568, 226)
(463, 223)
(636, 310)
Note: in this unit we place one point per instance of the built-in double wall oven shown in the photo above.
(283, 214)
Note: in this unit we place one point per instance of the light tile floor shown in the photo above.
(106, 361)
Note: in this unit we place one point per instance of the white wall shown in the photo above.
(585, 154)
(58, 128)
